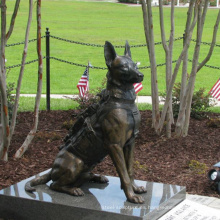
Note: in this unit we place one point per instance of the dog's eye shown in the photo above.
(124, 67)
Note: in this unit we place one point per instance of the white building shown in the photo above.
(154, 2)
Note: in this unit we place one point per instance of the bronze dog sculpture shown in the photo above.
(108, 127)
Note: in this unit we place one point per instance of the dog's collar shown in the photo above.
(118, 95)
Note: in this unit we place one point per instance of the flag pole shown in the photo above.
(88, 73)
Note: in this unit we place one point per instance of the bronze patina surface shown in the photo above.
(106, 128)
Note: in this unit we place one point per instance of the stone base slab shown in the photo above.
(101, 201)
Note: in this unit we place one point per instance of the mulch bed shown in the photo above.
(174, 161)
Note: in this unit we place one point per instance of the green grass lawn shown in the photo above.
(27, 104)
(96, 22)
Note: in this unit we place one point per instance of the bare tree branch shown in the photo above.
(176, 69)
(212, 44)
(162, 31)
(17, 3)
(185, 59)
(31, 134)
(145, 19)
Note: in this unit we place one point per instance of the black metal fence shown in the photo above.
(48, 36)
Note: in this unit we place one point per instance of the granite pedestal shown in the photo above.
(101, 201)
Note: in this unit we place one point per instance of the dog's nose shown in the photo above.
(140, 75)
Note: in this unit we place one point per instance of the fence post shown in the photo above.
(48, 68)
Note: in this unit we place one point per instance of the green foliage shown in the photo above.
(214, 123)
(91, 97)
(197, 167)
(200, 102)
(165, 2)
(67, 124)
(212, 2)
(143, 167)
(11, 99)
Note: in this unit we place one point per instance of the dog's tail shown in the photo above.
(37, 181)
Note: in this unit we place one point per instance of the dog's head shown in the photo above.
(122, 70)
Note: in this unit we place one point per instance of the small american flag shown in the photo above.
(138, 87)
(215, 90)
(83, 84)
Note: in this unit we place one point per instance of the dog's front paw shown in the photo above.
(103, 179)
(139, 189)
(76, 192)
(136, 199)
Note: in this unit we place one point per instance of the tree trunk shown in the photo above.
(168, 51)
(31, 134)
(176, 69)
(149, 33)
(4, 101)
(200, 25)
(181, 116)
(5, 130)
(15, 108)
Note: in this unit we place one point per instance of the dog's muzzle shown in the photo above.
(140, 77)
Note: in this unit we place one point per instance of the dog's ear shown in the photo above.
(109, 53)
(127, 50)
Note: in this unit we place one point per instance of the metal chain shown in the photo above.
(209, 66)
(99, 45)
(18, 65)
(95, 67)
(16, 44)
(77, 64)
(205, 43)
(101, 68)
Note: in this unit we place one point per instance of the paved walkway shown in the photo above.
(205, 200)
(140, 99)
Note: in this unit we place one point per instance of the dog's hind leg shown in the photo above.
(66, 170)
(98, 178)
(89, 176)
(129, 159)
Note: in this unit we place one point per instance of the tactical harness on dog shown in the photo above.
(85, 139)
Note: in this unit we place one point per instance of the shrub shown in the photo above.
(212, 3)
(200, 102)
(214, 123)
(67, 124)
(92, 97)
(197, 167)
(143, 167)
